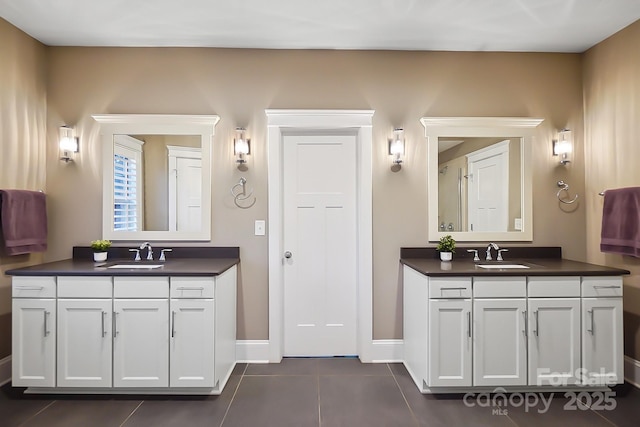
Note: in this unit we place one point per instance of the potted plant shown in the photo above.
(446, 247)
(100, 248)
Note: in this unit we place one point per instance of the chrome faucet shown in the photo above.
(494, 246)
(149, 250)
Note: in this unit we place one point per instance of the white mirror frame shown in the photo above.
(524, 127)
(149, 124)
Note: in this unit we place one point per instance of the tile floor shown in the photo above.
(304, 392)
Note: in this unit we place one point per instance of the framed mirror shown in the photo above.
(479, 178)
(156, 176)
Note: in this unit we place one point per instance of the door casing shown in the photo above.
(304, 121)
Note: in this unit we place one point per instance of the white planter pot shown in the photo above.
(99, 256)
(446, 256)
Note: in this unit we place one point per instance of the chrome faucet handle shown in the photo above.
(162, 257)
(137, 251)
(500, 254)
(476, 258)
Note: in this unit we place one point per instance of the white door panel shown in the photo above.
(320, 232)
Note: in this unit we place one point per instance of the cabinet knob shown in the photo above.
(288, 254)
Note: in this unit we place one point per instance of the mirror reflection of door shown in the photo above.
(185, 188)
(488, 182)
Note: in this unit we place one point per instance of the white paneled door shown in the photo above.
(320, 218)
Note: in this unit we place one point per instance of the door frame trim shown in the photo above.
(360, 121)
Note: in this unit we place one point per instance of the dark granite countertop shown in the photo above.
(206, 261)
(537, 267)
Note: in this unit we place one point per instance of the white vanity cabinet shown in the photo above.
(33, 359)
(128, 333)
(554, 330)
(500, 332)
(602, 336)
(84, 332)
(512, 331)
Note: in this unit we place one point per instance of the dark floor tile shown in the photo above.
(436, 410)
(350, 366)
(562, 411)
(192, 411)
(82, 413)
(362, 400)
(626, 412)
(15, 408)
(288, 366)
(239, 369)
(278, 401)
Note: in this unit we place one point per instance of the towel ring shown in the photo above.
(241, 195)
(565, 187)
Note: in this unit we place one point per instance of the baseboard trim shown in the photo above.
(252, 351)
(632, 371)
(387, 351)
(5, 370)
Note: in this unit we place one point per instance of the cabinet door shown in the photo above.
(84, 343)
(141, 343)
(191, 346)
(499, 342)
(554, 340)
(602, 341)
(33, 356)
(450, 343)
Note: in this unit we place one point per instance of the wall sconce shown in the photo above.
(68, 143)
(396, 148)
(241, 146)
(563, 146)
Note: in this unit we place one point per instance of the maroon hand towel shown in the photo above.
(23, 216)
(621, 222)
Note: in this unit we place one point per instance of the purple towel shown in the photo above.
(621, 222)
(23, 216)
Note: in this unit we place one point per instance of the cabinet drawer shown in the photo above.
(33, 287)
(192, 287)
(499, 287)
(140, 287)
(84, 287)
(449, 287)
(560, 286)
(610, 286)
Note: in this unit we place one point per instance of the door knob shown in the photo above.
(288, 254)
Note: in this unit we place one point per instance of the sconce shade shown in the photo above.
(396, 146)
(563, 146)
(68, 143)
(241, 146)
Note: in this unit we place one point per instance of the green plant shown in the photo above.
(446, 244)
(100, 245)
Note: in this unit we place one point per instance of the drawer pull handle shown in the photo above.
(606, 286)
(29, 288)
(535, 331)
(187, 288)
(591, 316)
(173, 324)
(46, 323)
(462, 288)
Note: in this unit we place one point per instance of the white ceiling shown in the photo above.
(457, 25)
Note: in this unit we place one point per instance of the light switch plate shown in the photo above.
(260, 227)
(517, 224)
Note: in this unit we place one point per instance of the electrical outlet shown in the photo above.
(260, 227)
(517, 224)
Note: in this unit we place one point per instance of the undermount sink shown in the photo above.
(136, 266)
(501, 266)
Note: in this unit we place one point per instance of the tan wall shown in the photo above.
(239, 85)
(22, 140)
(612, 151)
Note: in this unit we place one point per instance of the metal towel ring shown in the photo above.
(565, 187)
(242, 195)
